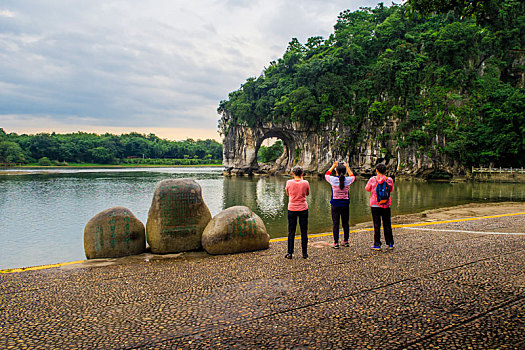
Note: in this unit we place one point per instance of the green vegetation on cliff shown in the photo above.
(271, 153)
(81, 147)
(452, 83)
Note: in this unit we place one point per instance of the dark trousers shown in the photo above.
(344, 214)
(292, 225)
(379, 214)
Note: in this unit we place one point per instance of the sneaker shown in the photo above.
(305, 256)
(288, 256)
(346, 244)
(376, 247)
(336, 246)
(390, 247)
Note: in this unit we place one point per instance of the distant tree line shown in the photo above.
(452, 82)
(81, 147)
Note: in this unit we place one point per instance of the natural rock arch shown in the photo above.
(301, 147)
(281, 164)
(315, 147)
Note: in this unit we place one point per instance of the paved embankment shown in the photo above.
(448, 285)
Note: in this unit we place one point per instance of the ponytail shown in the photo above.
(341, 171)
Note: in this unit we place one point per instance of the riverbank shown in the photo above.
(109, 166)
(515, 177)
(447, 285)
(494, 177)
(14, 170)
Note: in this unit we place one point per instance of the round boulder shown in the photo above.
(177, 217)
(113, 233)
(235, 230)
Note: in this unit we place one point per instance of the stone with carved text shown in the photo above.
(113, 233)
(177, 217)
(234, 230)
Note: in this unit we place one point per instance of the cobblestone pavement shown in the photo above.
(442, 287)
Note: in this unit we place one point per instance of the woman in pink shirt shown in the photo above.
(340, 202)
(297, 190)
(381, 206)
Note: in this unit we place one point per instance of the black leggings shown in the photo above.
(344, 213)
(292, 225)
(378, 214)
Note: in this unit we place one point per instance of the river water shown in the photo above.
(43, 213)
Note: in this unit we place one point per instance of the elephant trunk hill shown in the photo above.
(430, 97)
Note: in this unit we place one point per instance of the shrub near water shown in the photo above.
(44, 161)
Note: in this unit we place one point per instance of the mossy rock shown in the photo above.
(235, 230)
(113, 233)
(177, 217)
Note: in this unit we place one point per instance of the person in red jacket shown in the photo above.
(297, 189)
(380, 188)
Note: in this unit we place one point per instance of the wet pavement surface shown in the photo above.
(444, 286)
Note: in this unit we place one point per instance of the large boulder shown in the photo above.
(234, 230)
(177, 217)
(113, 233)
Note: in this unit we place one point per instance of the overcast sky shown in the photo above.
(137, 65)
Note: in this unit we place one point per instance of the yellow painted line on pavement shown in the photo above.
(42, 267)
(465, 231)
(456, 220)
(281, 239)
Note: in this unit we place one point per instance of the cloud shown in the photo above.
(148, 64)
(6, 13)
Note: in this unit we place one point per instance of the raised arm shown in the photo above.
(334, 165)
(348, 170)
(329, 172)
